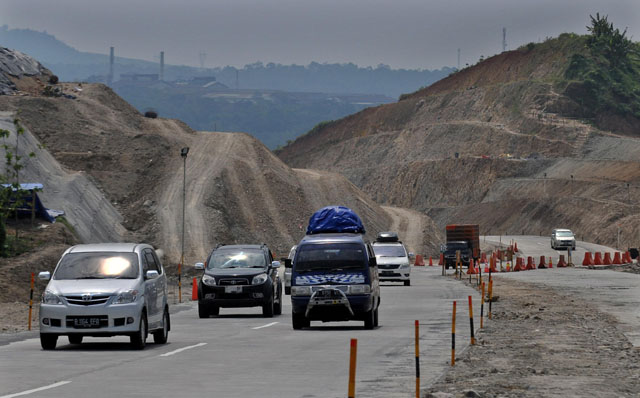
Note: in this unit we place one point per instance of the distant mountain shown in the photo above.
(72, 65)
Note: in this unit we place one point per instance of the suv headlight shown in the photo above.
(300, 290)
(405, 265)
(259, 279)
(49, 298)
(208, 280)
(358, 289)
(126, 297)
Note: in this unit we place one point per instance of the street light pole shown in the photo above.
(183, 152)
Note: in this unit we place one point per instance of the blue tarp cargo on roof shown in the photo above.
(335, 219)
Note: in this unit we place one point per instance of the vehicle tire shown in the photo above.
(299, 321)
(214, 310)
(375, 318)
(287, 290)
(48, 341)
(277, 307)
(203, 311)
(369, 320)
(75, 339)
(139, 339)
(161, 336)
(407, 283)
(267, 308)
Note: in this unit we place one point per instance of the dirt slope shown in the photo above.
(490, 132)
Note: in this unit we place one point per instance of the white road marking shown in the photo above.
(180, 350)
(19, 394)
(265, 326)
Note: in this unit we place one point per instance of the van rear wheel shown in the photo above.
(370, 319)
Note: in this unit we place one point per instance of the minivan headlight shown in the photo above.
(259, 279)
(49, 298)
(358, 289)
(126, 297)
(405, 265)
(208, 280)
(300, 290)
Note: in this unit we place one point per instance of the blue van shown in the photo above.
(334, 277)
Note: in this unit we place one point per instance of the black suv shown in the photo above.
(240, 276)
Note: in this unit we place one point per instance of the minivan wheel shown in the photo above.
(161, 336)
(287, 290)
(139, 338)
(267, 308)
(203, 311)
(299, 321)
(370, 319)
(75, 339)
(375, 318)
(407, 283)
(48, 341)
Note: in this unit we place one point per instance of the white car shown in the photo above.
(562, 239)
(393, 262)
(105, 290)
(287, 271)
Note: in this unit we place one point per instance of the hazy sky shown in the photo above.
(399, 33)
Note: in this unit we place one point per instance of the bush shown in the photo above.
(53, 79)
(151, 114)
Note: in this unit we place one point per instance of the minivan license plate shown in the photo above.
(233, 289)
(81, 323)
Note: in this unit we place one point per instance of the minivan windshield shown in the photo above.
(330, 257)
(389, 251)
(98, 265)
(241, 258)
(564, 234)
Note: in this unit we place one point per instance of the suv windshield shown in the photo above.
(330, 256)
(98, 265)
(564, 234)
(389, 251)
(238, 258)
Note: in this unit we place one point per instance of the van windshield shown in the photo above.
(389, 251)
(330, 256)
(564, 234)
(98, 265)
(240, 258)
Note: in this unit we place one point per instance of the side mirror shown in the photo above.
(412, 254)
(373, 262)
(45, 276)
(200, 266)
(275, 264)
(288, 263)
(152, 274)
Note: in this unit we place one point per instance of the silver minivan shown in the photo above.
(103, 290)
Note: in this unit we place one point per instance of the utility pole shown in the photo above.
(504, 39)
(458, 59)
(111, 60)
(237, 81)
(161, 65)
(183, 152)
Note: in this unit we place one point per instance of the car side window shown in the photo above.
(158, 263)
(151, 261)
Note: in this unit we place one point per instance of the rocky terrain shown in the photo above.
(500, 143)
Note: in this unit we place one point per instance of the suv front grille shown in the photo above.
(233, 281)
(87, 299)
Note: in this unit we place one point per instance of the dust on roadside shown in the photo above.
(540, 343)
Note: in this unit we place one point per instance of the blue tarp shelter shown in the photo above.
(29, 196)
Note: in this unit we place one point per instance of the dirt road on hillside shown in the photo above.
(409, 224)
(206, 159)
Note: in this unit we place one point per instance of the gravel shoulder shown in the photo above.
(540, 343)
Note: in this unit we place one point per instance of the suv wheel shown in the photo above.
(203, 311)
(277, 308)
(268, 308)
(300, 321)
(75, 339)
(139, 338)
(48, 341)
(287, 290)
(161, 336)
(369, 319)
(407, 283)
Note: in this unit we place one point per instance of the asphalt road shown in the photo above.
(611, 291)
(241, 354)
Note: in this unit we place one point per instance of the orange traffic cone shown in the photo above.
(550, 262)
(441, 259)
(430, 261)
(515, 247)
(543, 262)
(419, 261)
(597, 259)
(194, 289)
(616, 259)
(606, 261)
(561, 262)
(588, 260)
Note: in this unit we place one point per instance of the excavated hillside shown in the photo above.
(497, 143)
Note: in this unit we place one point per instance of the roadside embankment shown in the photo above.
(540, 343)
